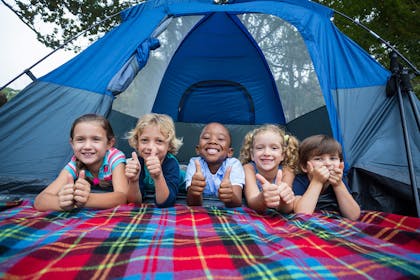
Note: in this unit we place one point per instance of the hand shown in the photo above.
(336, 175)
(132, 168)
(225, 188)
(81, 190)
(270, 191)
(198, 182)
(320, 174)
(153, 164)
(66, 194)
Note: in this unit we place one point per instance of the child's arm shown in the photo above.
(254, 198)
(103, 200)
(165, 179)
(58, 195)
(349, 208)
(132, 172)
(195, 190)
(230, 195)
(307, 202)
(278, 195)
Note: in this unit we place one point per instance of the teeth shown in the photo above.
(212, 151)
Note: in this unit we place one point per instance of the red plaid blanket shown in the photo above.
(204, 243)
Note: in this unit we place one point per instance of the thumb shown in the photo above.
(82, 174)
(261, 179)
(70, 179)
(134, 155)
(279, 177)
(226, 177)
(197, 166)
(154, 151)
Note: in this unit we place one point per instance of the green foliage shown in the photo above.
(10, 93)
(395, 21)
(67, 18)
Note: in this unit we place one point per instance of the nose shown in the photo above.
(266, 151)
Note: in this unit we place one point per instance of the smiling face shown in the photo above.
(267, 151)
(90, 144)
(330, 161)
(152, 141)
(214, 145)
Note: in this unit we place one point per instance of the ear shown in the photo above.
(197, 151)
(230, 152)
(252, 154)
(71, 143)
(304, 168)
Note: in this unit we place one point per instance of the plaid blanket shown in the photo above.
(145, 242)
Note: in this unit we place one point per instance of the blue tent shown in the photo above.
(241, 63)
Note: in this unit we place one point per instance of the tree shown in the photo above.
(393, 20)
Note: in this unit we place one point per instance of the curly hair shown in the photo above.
(166, 126)
(290, 146)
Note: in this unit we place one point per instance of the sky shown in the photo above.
(19, 49)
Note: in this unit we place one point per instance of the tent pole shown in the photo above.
(396, 78)
(28, 70)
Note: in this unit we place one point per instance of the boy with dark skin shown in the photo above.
(215, 172)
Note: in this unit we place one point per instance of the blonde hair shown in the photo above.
(289, 143)
(166, 126)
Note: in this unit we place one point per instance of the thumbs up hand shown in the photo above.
(198, 182)
(81, 190)
(319, 174)
(336, 175)
(66, 194)
(285, 191)
(132, 168)
(225, 188)
(153, 164)
(270, 192)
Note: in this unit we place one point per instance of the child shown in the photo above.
(96, 164)
(157, 168)
(214, 173)
(270, 158)
(321, 186)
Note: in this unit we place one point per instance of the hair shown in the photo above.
(317, 145)
(166, 126)
(289, 143)
(102, 122)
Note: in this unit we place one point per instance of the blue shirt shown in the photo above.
(327, 200)
(173, 177)
(237, 175)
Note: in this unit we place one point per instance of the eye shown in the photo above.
(143, 140)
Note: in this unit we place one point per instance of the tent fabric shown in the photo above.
(240, 63)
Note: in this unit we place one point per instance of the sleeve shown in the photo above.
(170, 169)
(190, 173)
(71, 167)
(116, 157)
(237, 175)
